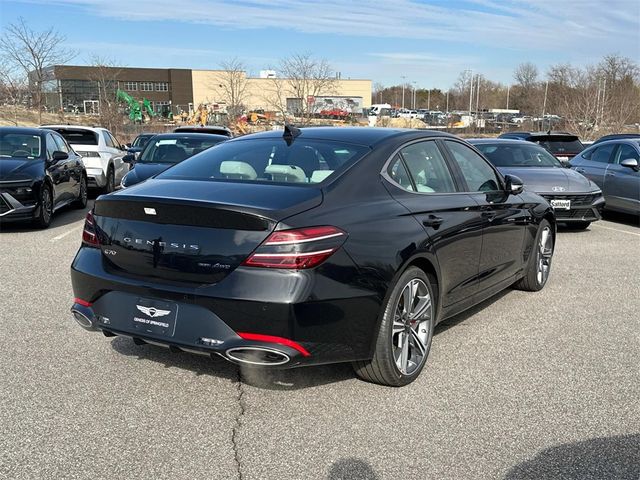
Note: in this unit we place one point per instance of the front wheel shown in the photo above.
(43, 219)
(539, 266)
(81, 201)
(405, 334)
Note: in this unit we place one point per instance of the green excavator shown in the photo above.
(135, 112)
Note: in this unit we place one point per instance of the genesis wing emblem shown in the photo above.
(153, 312)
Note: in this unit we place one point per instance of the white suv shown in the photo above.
(101, 153)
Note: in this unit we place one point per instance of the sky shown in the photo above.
(427, 41)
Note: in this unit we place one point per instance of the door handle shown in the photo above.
(611, 174)
(432, 221)
(489, 213)
(580, 170)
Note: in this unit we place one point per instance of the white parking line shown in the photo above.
(617, 230)
(62, 235)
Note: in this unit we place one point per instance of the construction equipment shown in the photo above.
(147, 106)
(135, 114)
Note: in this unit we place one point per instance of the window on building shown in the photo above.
(162, 86)
(131, 86)
(146, 86)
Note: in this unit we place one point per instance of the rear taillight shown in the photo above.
(297, 249)
(89, 235)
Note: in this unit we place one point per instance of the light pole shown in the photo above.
(470, 93)
(429, 99)
(414, 95)
(508, 88)
(403, 81)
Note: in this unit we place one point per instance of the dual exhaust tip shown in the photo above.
(251, 355)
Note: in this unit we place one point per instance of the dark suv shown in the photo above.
(562, 145)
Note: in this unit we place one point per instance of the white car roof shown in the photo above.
(76, 127)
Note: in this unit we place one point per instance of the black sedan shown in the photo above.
(139, 143)
(165, 150)
(39, 174)
(577, 200)
(314, 246)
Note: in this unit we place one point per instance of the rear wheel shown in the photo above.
(111, 182)
(43, 219)
(81, 202)
(405, 334)
(539, 265)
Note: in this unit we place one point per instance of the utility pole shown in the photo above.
(508, 88)
(403, 82)
(429, 100)
(414, 96)
(544, 104)
(470, 93)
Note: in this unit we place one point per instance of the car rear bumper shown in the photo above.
(96, 178)
(12, 210)
(288, 318)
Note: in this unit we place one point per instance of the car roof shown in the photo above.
(75, 127)
(618, 136)
(23, 130)
(357, 135)
(202, 136)
(504, 141)
(538, 134)
(635, 141)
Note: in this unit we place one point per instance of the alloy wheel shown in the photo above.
(46, 205)
(545, 252)
(411, 334)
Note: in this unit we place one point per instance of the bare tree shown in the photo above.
(33, 52)
(105, 73)
(14, 89)
(620, 91)
(305, 78)
(233, 82)
(526, 93)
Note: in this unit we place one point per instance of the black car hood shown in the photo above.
(551, 180)
(19, 169)
(142, 171)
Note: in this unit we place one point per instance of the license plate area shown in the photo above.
(155, 316)
(561, 204)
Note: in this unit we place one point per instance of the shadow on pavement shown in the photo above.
(631, 220)
(351, 469)
(461, 317)
(595, 459)
(293, 379)
(65, 216)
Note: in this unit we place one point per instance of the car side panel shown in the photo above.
(622, 187)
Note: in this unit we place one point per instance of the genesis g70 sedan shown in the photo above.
(311, 246)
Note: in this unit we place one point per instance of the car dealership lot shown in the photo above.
(526, 386)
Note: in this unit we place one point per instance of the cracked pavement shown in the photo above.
(528, 386)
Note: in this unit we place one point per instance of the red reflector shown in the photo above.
(272, 339)
(84, 303)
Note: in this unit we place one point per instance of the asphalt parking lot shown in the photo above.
(527, 386)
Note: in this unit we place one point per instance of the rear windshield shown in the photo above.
(305, 161)
(78, 137)
(20, 145)
(521, 155)
(560, 144)
(175, 149)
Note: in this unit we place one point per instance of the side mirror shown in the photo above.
(58, 156)
(127, 145)
(631, 163)
(514, 185)
(129, 158)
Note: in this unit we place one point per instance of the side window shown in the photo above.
(626, 151)
(428, 168)
(398, 173)
(479, 175)
(51, 146)
(61, 144)
(114, 141)
(107, 140)
(602, 154)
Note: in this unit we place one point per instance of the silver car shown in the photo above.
(614, 166)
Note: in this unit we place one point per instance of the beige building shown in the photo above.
(271, 93)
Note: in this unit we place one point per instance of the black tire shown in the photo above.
(45, 209)
(382, 368)
(578, 225)
(534, 279)
(81, 202)
(111, 182)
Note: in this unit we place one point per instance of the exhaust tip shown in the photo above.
(84, 321)
(257, 356)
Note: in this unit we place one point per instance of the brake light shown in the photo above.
(89, 235)
(297, 249)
